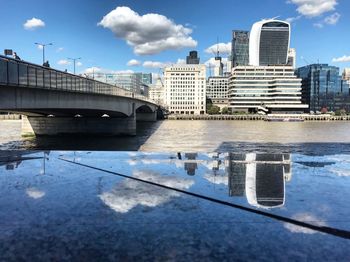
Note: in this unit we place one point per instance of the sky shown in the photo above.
(144, 35)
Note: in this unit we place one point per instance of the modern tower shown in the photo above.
(192, 58)
(240, 48)
(269, 43)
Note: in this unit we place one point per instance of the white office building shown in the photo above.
(157, 92)
(185, 89)
(265, 89)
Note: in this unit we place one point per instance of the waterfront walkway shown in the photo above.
(324, 117)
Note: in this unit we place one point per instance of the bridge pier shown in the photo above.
(111, 126)
(146, 117)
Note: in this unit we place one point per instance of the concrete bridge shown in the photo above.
(55, 102)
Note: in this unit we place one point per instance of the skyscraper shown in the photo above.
(192, 58)
(240, 48)
(269, 43)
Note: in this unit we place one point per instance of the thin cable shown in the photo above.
(328, 230)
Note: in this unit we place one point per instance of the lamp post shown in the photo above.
(43, 46)
(74, 59)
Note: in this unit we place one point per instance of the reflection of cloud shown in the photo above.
(216, 179)
(130, 193)
(132, 162)
(340, 171)
(34, 193)
(304, 217)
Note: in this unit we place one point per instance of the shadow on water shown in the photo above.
(88, 142)
(312, 149)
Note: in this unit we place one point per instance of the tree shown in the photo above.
(213, 110)
(225, 111)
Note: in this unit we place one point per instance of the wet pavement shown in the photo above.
(65, 205)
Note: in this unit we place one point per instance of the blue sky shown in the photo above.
(108, 40)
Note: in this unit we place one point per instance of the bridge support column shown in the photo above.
(78, 125)
(146, 117)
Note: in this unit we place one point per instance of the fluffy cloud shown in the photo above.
(313, 8)
(63, 62)
(293, 19)
(153, 64)
(332, 19)
(341, 59)
(79, 64)
(318, 25)
(33, 24)
(222, 47)
(147, 34)
(60, 49)
(180, 61)
(99, 70)
(133, 62)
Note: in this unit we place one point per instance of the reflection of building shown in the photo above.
(190, 167)
(261, 177)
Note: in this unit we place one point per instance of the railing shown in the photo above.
(21, 73)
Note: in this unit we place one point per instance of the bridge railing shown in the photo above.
(21, 73)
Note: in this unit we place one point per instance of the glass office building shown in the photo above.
(269, 43)
(323, 88)
(240, 48)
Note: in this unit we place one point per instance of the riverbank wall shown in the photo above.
(10, 117)
(305, 117)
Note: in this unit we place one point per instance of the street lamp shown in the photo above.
(43, 46)
(74, 59)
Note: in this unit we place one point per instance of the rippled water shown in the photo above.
(204, 136)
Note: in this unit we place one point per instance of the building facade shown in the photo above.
(192, 58)
(291, 60)
(269, 43)
(265, 89)
(157, 92)
(323, 88)
(185, 89)
(217, 90)
(240, 48)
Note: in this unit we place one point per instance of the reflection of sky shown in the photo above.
(304, 217)
(35, 193)
(130, 193)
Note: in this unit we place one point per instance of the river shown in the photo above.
(194, 136)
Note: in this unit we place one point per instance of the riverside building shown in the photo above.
(217, 90)
(185, 89)
(323, 88)
(240, 48)
(265, 89)
(156, 92)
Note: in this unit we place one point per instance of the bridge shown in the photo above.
(55, 102)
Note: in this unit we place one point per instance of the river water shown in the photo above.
(194, 136)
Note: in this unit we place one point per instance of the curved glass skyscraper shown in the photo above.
(269, 43)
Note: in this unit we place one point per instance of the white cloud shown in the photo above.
(293, 19)
(332, 19)
(129, 193)
(63, 62)
(341, 59)
(318, 25)
(313, 8)
(32, 24)
(99, 70)
(79, 64)
(133, 62)
(147, 34)
(92, 70)
(181, 61)
(35, 193)
(304, 217)
(154, 64)
(40, 47)
(223, 48)
(60, 49)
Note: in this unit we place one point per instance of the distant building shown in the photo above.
(145, 78)
(157, 92)
(217, 90)
(346, 74)
(185, 89)
(323, 88)
(269, 43)
(240, 48)
(218, 66)
(265, 89)
(192, 58)
(291, 57)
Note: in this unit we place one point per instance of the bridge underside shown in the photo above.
(54, 112)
